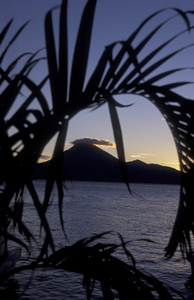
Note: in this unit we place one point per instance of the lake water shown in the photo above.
(94, 207)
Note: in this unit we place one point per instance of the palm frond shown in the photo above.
(20, 151)
(178, 112)
(96, 262)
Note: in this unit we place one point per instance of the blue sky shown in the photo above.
(146, 134)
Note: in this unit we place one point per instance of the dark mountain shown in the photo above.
(90, 163)
(141, 172)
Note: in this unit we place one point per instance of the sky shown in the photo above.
(145, 132)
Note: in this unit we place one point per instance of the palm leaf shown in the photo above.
(99, 89)
(153, 32)
(12, 40)
(133, 56)
(58, 153)
(5, 74)
(10, 93)
(181, 127)
(133, 84)
(60, 203)
(55, 173)
(94, 81)
(184, 17)
(118, 140)
(127, 252)
(41, 215)
(16, 240)
(115, 63)
(174, 85)
(14, 63)
(16, 216)
(165, 74)
(97, 263)
(8, 96)
(52, 58)
(5, 30)
(63, 54)
(36, 93)
(81, 52)
(146, 60)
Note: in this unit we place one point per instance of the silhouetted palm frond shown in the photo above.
(131, 71)
(95, 259)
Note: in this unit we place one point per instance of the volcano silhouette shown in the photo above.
(86, 162)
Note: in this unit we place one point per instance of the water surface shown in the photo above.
(94, 207)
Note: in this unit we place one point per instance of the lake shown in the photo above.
(95, 207)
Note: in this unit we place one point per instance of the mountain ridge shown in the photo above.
(86, 162)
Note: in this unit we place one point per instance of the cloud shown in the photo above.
(171, 163)
(135, 155)
(146, 154)
(93, 141)
(45, 157)
(138, 155)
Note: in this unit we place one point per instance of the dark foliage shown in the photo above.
(23, 140)
(96, 260)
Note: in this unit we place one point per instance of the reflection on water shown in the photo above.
(98, 207)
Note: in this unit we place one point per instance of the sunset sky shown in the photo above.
(146, 134)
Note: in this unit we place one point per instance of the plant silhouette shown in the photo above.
(26, 132)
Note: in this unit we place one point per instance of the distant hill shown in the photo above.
(89, 163)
